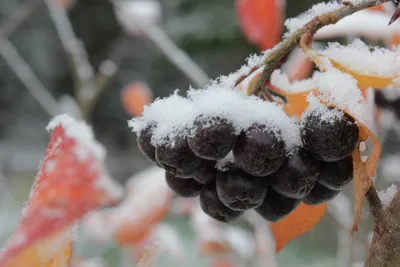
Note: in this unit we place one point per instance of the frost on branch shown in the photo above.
(388, 194)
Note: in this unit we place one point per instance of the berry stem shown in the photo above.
(281, 50)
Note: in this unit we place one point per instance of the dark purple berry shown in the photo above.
(329, 137)
(275, 206)
(259, 151)
(178, 159)
(144, 143)
(213, 207)
(213, 138)
(183, 187)
(297, 176)
(335, 175)
(320, 194)
(208, 174)
(239, 190)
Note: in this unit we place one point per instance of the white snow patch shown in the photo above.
(174, 116)
(341, 90)
(81, 132)
(281, 80)
(316, 108)
(387, 195)
(365, 59)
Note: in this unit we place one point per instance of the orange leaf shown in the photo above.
(300, 221)
(71, 182)
(261, 21)
(135, 96)
(147, 203)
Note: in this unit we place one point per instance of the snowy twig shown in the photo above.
(85, 79)
(26, 75)
(20, 16)
(176, 55)
(275, 58)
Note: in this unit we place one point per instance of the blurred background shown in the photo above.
(44, 72)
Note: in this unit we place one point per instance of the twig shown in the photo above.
(85, 79)
(176, 55)
(32, 83)
(20, 16)
(283, 48)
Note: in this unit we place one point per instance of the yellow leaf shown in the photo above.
(55, 251)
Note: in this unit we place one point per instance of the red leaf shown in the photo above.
(71, 182)
(261, 21)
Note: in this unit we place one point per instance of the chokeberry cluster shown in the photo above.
(239, 153)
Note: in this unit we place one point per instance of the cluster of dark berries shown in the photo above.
(261, 175)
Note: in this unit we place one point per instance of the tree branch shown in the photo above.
(275, 58)
(20, 16)
(28, 78)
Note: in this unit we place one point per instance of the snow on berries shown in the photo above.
(239, 152)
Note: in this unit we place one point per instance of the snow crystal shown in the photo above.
(82, 133)
(318, 109)
(172, 116)
(281, 80)
(341, 90)
(293, 24)
(369, 24)
(387, 195)
(364, 59)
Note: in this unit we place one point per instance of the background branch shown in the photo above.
(28, 78)
(19, 17)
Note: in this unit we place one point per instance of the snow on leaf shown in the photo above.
(388, 194)
(371, 66)
(340, 90)
(71, 182)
